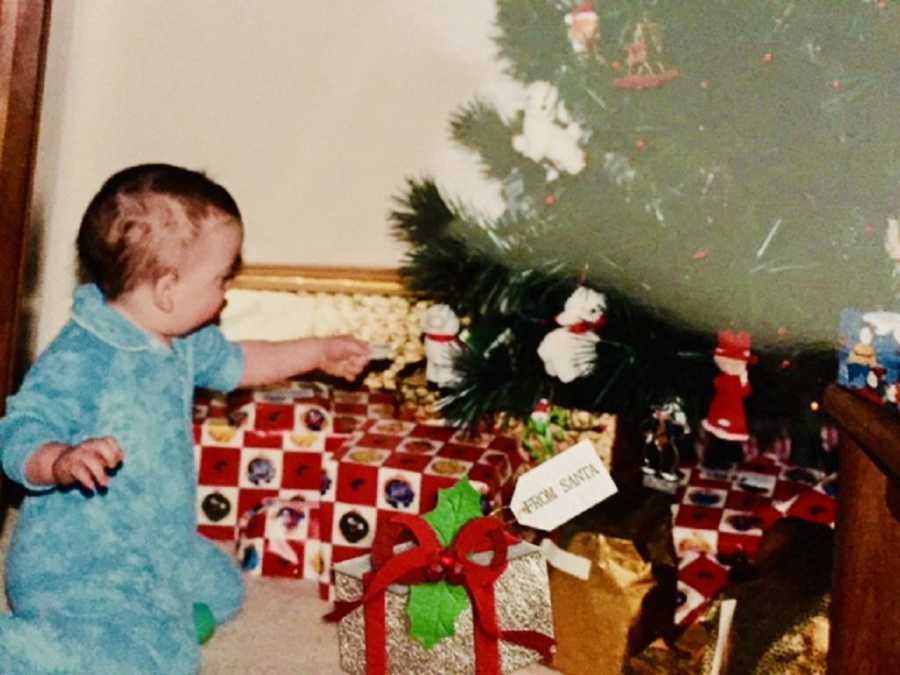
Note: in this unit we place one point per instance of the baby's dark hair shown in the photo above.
(138, 226)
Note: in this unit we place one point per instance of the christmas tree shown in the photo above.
(707, 166)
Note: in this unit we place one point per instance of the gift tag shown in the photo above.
(561, 488)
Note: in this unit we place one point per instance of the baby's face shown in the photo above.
(199, 293)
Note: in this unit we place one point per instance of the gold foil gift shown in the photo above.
(802, 649)
(522, 603)
(596, 620)
(691, 653)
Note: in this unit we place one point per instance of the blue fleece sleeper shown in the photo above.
(106, 583)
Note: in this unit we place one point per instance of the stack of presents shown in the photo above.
(302, 475)
(311, 481)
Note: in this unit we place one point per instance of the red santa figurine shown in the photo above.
(726, 419)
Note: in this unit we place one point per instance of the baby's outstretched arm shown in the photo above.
(85, 463)
(267, 362)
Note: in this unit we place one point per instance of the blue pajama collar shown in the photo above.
(92, 312)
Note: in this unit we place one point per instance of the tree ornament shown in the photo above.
(568, 351)
(644, 54)
(665, 437)
(584, 25)
(726, 419)
(441, 325)
(549, 135)
(542, 432)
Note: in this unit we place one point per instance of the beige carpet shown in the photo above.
(279, 631)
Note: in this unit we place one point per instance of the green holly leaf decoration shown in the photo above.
(456, 506)
(433, 609)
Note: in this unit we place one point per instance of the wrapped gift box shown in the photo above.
(344, 453)
(720, 519)
(399, 466)
(607, 603)
(522, 604)
(265, 443)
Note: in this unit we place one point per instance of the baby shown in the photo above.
(106, 573)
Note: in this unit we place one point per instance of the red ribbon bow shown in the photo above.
(428, 561)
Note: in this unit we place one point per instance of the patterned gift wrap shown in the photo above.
(720, 519)
(345, 455)
(265, 443)
(397, 465)
(280, 538)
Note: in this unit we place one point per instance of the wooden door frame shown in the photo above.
(24, 29)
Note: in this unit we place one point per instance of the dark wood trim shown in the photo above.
(865, 616)
(24, 28)
(874, 428)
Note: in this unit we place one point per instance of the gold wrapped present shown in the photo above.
(802, 649)
(596, 619)
(694, 651)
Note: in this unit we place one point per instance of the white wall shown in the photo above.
(312, 113)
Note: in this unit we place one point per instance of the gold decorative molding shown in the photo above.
(320, 279)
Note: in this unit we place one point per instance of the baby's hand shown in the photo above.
(87, 462)
(344, 356)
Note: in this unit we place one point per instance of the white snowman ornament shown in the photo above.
(441, 325)
(568, 351)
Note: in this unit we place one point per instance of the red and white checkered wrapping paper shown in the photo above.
(720, 520)
(330, 465)
(263, 443)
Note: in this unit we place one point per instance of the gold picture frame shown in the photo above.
(321, 279)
